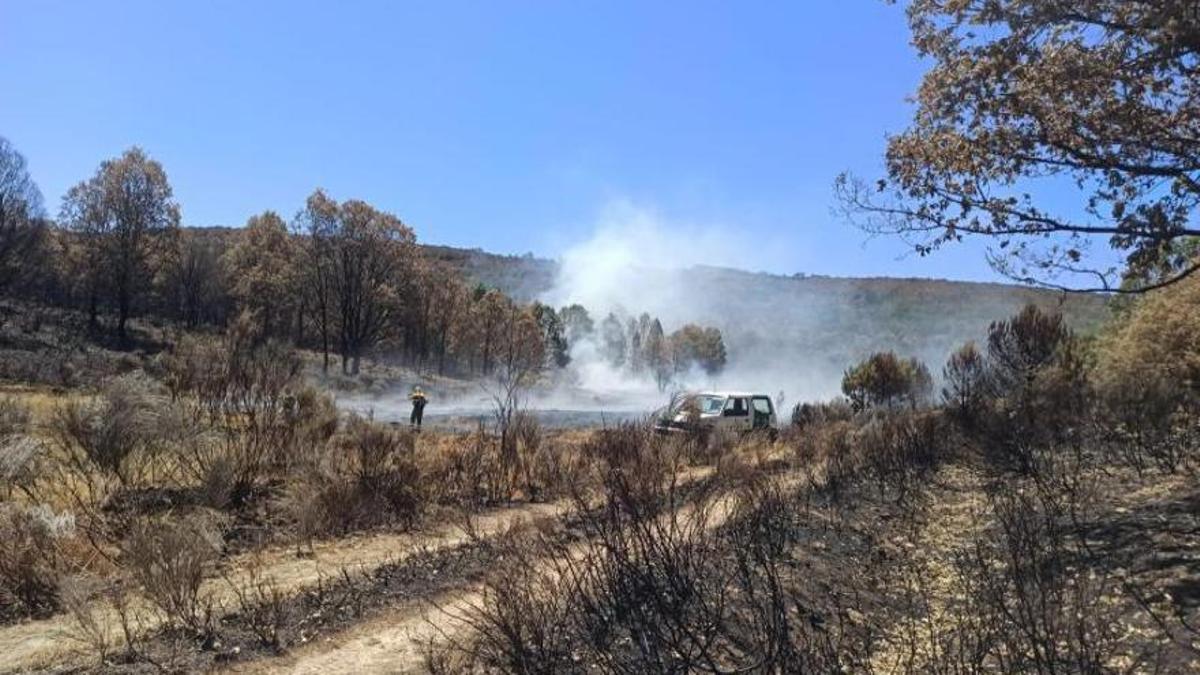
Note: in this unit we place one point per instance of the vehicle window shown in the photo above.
(762, 405)
(736, 407)
(708, 405)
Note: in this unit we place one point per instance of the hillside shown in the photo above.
(800, 329)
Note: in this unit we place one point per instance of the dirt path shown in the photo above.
(395, 641)
(954, 517)
(51, 641)
(42, 643)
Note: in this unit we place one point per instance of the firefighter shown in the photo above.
(418, 407)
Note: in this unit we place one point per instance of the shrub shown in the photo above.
(14, 416)
(900, 450)
(114, 432)
(31, 561)
(250, 391)
(21, 458)
(1026, 599)
(806, 415)
(168, 558)
(1148, 379)
(369, 477)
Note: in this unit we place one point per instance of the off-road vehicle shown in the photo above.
(706, 411)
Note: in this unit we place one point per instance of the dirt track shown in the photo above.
(395, 641)
(51, 642)
(42, 643)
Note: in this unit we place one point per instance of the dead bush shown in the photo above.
(249, 390)
(21, 464)
(14, 416)
(463, 472)
(31, 559)
(637, 466)
(114, 433)
(169, 558)
(828, 455)
(806, 415)
(370, 477)
(558, 469)
(261, 604)
(899, 451)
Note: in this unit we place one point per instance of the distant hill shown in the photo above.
(810, 327)
(801, 330)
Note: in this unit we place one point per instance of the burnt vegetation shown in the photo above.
(171, 452)
(1004, 513)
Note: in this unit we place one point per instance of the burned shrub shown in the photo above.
(31, 560)
(114, 433)
(249, 391)
(1026, 598)
(899, 451)
(169, 558)
(368, 478)
(806, 415)
(707, 587)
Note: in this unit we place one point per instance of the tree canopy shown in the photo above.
(1028, 98)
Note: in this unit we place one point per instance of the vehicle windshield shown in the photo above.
(708, 405)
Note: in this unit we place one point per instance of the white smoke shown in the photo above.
(638, 262)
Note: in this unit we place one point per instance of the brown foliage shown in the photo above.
(1024, 94)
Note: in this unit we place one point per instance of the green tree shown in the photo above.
(553, 338)
(699, 346)
(577, 323)
(886, 380)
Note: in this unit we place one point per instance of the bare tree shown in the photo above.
(21, 215)
(521, 360)
(1029, 97)
(316, 225)
(123, 215)
(194, 288)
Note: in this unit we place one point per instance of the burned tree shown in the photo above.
(21, 216)
(124, 217)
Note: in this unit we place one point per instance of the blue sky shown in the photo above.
(511, 127)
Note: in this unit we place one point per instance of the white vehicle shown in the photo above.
(737, 411)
